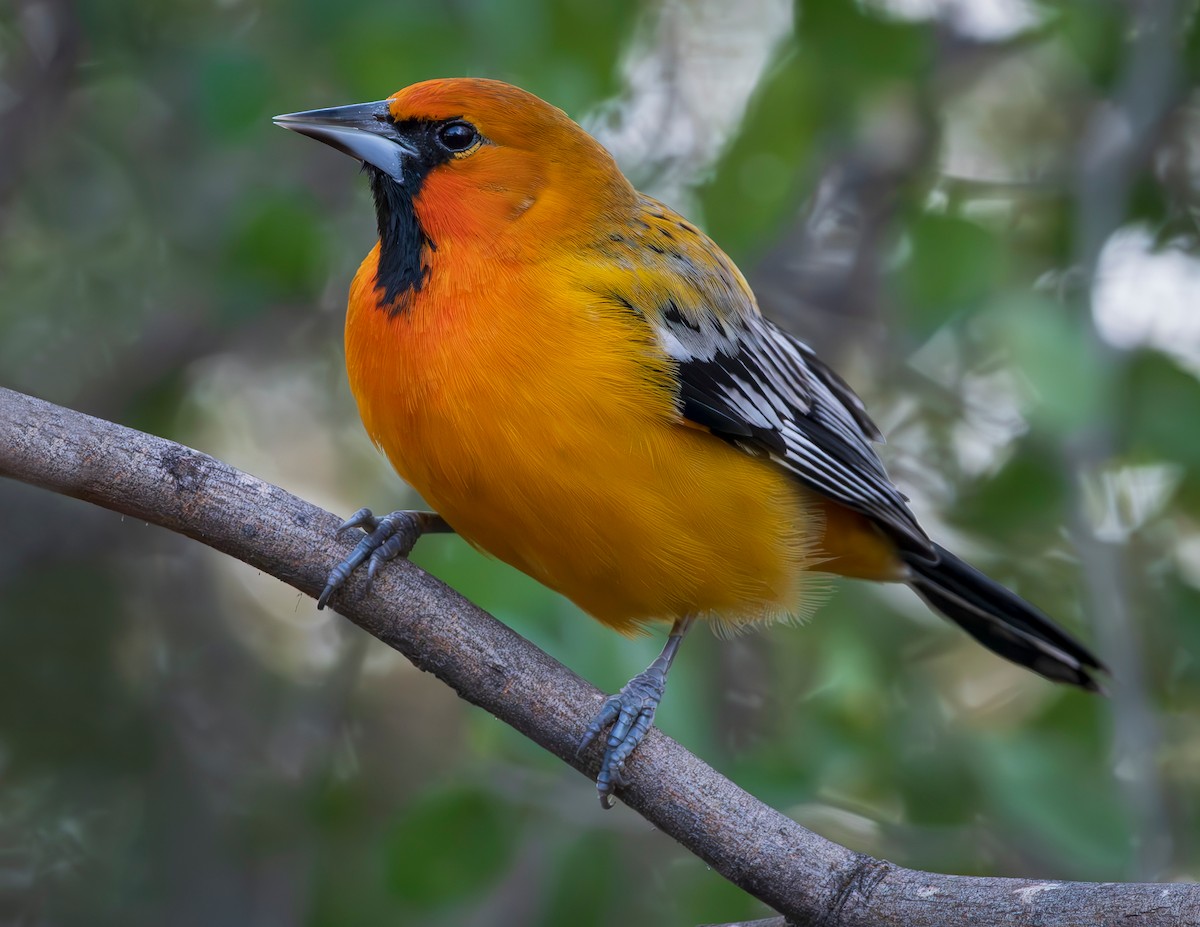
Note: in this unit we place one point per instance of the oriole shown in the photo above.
(580, 383)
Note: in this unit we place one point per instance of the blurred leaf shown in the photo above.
(449, 845)
(1191, 50)
(1054, 354)
(1160, 400)
(1095, 33)
(761, 177)
(587, 38)
(1073, 711)
(1175, 650)
(86, 719)
(954, 266)
(1077, 821)
(1150, 203)
(694, 894)
(365, 38)
(278, 243)
(939, 789)
(853, 49)
(518, 600)
(1027, 497)
(584, 876)
(233, 90)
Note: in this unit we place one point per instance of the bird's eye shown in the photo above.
(457, 136)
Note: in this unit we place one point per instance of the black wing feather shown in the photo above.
(768, 393)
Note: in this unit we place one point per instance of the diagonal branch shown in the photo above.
(796, 872)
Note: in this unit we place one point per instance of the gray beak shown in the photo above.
(362, 130)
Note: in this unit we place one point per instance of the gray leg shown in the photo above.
(631, 713)
(386, 539)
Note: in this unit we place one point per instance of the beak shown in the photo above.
(362, 130)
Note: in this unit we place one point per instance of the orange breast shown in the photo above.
(542, 426)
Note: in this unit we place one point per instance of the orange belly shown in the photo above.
(572, 465)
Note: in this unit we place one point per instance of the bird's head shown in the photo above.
(474, 158)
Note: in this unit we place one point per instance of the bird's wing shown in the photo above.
(767, 393)
(753, 385)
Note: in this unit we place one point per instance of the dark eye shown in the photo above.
(457, 136)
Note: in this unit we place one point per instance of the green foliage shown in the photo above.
(183, 742)
(1165, 397)
(1095, 35)
(856, 53)
(1052, 349)
(1070, 820)
(76, 652)
(448, 847)
(954, 267)
(276, 245)
(578, 896)
(1027, 496)
(233, 89)
(762, 173)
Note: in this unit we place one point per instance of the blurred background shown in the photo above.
(983, 212)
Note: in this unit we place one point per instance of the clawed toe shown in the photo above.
(363, 518)
(631, 714)
(385, 539)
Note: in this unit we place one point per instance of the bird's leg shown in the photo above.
(631, 712)
(386, 539)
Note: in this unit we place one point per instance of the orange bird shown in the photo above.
(580, 382)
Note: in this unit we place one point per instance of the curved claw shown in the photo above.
(607, 714)
(364, 518)
(387, 538)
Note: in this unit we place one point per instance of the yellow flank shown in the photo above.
(549, 438)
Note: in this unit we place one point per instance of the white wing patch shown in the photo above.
(767, 393)
(747, 381)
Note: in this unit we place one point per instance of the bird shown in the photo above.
(580, 383)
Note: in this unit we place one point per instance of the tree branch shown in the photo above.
(806, 878)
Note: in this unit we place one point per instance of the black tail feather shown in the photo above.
(1002, 621)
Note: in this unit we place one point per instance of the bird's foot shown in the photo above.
(386, 538)
(631, 713)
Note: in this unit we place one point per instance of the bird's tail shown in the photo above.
(1002, 621)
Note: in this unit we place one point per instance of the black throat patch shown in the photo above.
(403, 245)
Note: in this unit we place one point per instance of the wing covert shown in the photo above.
(769, 394)
(747, 381)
